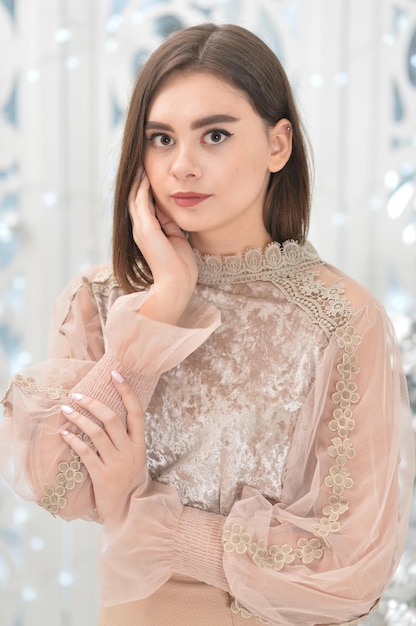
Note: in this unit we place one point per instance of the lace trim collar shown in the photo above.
(276, 261)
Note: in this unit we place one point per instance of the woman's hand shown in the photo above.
(120, 455)
(167, 252)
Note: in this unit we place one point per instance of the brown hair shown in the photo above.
(242, 59)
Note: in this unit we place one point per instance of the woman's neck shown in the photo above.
(224, 246)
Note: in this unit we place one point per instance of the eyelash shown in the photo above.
(214, 131)
(218, 131)
(151, 139)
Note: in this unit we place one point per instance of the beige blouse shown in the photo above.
(280, 450)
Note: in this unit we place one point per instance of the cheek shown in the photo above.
(156, 181)
(156, 169)
(250, 172)
(147, 164)
(151, 170)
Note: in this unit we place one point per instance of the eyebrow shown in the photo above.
(205, 121)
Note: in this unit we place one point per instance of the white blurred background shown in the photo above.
(66, 70)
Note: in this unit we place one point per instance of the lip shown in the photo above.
(189, 198)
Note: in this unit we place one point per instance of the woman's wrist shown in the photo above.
(167, 305)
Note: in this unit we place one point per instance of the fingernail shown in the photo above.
(117, 377)
(67, 409)
(64, 432)
(77, 396)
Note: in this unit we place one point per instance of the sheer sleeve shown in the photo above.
(326, 551)
(34, 459)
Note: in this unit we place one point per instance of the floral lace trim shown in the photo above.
(239, 610)
(50, 391)
(323, 303)
(67, 478)
(254, 264)
(338, 480)
(290, 267)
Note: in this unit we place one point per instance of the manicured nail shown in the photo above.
(65, 432)
(117, 377)
(67, 409)
(77, 396)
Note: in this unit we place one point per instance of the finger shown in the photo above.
(170, 228)
(86, 452)
(137, 183)
(106, 434)
(135, 186)
(91, 432)
(141, 199)
(146, 229)
(132, 198)
(135, 415)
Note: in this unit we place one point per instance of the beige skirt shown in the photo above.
(182, 601)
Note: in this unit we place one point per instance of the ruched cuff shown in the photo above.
(97, 384)
(198, 550)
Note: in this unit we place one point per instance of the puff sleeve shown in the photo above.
(326, 552)
(34, 459)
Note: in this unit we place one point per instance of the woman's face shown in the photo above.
(208, 157)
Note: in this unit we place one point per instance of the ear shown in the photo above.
(280, 137)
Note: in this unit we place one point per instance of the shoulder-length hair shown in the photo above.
(246, 62)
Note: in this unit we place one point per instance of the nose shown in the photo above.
(184, 164)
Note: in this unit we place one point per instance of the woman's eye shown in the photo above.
(160, 140)
(216, 136)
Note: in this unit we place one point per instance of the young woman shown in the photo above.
(231, 408)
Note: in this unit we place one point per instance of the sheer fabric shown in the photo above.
(183, 600)
(280, 450)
